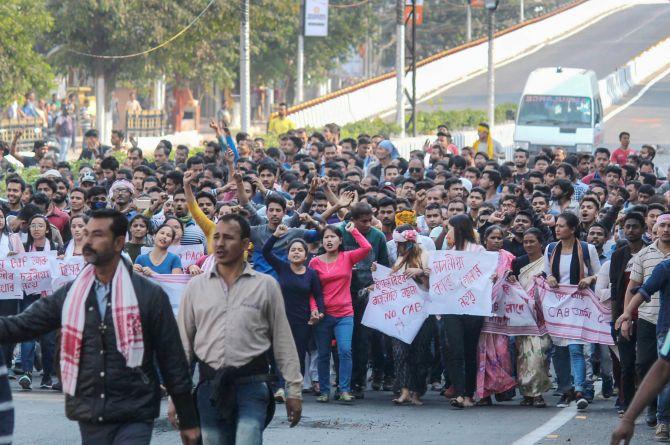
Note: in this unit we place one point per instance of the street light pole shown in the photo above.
(400, 66)
(468, 22)
(522, 16)
(491, 72)
(245, 90)
(300, 87)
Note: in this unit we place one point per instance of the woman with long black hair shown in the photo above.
(40, 239)
(570, 261)
(462, 331)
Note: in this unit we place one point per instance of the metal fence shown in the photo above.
(146, 123)
(31, 127)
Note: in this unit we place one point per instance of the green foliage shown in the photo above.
(22, 69)
(427, 122)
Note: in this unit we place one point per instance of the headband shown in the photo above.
(406, 236)
(482, 128)
(664, 218)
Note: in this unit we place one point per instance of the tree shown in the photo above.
(22, 68)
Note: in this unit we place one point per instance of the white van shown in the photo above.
(560, 107)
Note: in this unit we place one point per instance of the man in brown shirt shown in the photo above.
(229, 319)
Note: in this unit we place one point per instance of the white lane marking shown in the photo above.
(637, 97)
(560, 419)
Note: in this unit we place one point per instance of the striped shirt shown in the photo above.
(643, 265)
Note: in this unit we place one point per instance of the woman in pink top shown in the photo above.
(334, 268)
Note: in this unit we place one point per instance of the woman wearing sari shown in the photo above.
(531, 350)
(494, 370)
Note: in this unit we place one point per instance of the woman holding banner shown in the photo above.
(462, 331)
(334, 269)
(40, 239)
(531, 350)
(494, 373)
(159, 260)
(411, 370)
(570, 261)
(9, 243)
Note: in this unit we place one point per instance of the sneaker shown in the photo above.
(565, 400)
(346, 397)
(323, 398)
(388, 384)
(376, 385)
(662, 433)
(17, 370)
(582, 403)
(358, 393)
(25, 382)
(280, 396)
(58, 386)
(46, 382)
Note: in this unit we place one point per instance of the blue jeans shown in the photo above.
(65, 143)
(663, 408)
(570, 367)
(343, 329)
(247, 428)
(47, 343)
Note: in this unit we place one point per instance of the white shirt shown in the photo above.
(425, 242)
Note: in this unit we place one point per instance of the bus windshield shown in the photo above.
(555, 111)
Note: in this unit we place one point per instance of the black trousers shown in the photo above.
(360, 343)
(126, 433)
(628, 376)
(462, 335)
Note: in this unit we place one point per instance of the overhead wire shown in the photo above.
(150, 50)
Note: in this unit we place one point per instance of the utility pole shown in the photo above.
(491, 71)
(300, 86)
(400, 66)
(468, 22)
(245, 90)
(522, 16)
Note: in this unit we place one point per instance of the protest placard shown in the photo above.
(460, 282)
(575, 314)
(10, 282)
(513, 309)
(187, 254)
(35, 270)
(396, 305)
(66, 270)
(174, 286)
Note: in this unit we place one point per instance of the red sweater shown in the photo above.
(336, 277)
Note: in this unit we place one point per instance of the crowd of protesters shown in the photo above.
(322, 212)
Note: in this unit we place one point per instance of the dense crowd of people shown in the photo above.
(320, 213)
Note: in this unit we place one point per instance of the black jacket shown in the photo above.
(619, 260)
(107, 390)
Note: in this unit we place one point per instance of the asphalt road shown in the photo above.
(602, 47)
(647, 119)
(40, 420)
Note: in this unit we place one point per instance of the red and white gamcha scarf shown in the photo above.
(125, 313)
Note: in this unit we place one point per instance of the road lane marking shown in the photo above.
(553, 424)
(637, 96)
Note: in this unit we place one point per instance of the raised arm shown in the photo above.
(207, 225)
(272, 259)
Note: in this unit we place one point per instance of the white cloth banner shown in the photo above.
(396, 306)
(188, 255)
(574, 314)
(66, 270)
(35, 270)
(174, 286)
(513, 309)
(10, 282)
(460, 282)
